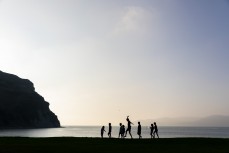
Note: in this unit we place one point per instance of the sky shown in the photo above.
(97, 61)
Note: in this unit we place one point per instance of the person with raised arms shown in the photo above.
(128, 127)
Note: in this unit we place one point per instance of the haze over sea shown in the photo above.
(94, 131)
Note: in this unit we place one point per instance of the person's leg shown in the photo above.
(130, 134)
(126, 132)
(157, 134)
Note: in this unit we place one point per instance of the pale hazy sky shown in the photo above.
(96, 61)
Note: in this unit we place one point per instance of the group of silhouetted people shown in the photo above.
(123, 132)
(154, 130)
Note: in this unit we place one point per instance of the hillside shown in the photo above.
(21, 106)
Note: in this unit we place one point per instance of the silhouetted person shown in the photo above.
(120, 130)
(155, 130)
(109, 131)
(129, 126)
(139, 130)
(102, 131)
(123, 131)
(151, 131)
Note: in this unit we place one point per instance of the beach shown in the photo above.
(114, 145)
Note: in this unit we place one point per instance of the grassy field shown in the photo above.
(94, 145)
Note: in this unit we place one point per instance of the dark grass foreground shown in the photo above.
(94, 145)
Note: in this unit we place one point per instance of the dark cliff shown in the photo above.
(21, 106)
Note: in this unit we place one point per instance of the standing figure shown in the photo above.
(151, 131)
(109, 131)
(102, 131)
(123, 131)
(129, 127)
(120, 130)
(139, 130)
(155, 130)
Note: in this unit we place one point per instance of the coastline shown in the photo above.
(94, 131)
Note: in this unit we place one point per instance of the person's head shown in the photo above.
(120, 124)
(139, 123)
(151, 124)
(110, 124)
(103, 127)
(154, 123)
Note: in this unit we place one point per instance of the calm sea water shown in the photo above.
(94, 131)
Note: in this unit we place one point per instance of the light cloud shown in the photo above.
(134, 19)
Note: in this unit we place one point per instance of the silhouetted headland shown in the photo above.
(21, 106)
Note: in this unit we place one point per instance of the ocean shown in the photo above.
(94, 131)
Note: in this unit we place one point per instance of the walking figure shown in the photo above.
(102, 131)
(155, 130)
(129, 127)
(120, 130)
(139, 130)
(109, 131)
(151, 131)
